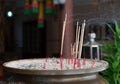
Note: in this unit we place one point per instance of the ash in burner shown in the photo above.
(54, 64)
(11, 82)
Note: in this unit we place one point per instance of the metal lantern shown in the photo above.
(94, 47)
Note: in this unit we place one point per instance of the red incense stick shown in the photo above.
(93, 63)
(61, 64)
(46, 59)
(74, 63)
(78, 63)
(44, 66)
(84, 61)
(68, 60)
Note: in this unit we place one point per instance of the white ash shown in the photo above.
(52, 64)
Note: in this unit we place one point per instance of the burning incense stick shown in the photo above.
(63, 33)
(71, 47)
(74, 65)
(81, 39)
(76, 31)
(78, 63)
(76, 34)
(77, 41)
(72, 54)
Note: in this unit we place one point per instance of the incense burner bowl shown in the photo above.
(72, 76)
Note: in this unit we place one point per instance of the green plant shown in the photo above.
(112, 56)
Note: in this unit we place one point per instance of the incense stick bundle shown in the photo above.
(81, 39)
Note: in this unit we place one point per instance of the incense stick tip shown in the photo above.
(77, 23)
(84, 21)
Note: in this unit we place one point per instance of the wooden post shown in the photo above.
(69, 32)
(2, 23)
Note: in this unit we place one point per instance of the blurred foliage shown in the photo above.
(111, 53)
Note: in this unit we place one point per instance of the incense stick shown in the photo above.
(77, 31)
(81, 39)
(76, 39)
(71, 51)
(63, 33)
(72, 54)
(77, 42)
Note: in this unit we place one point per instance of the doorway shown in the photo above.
(34, 40)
